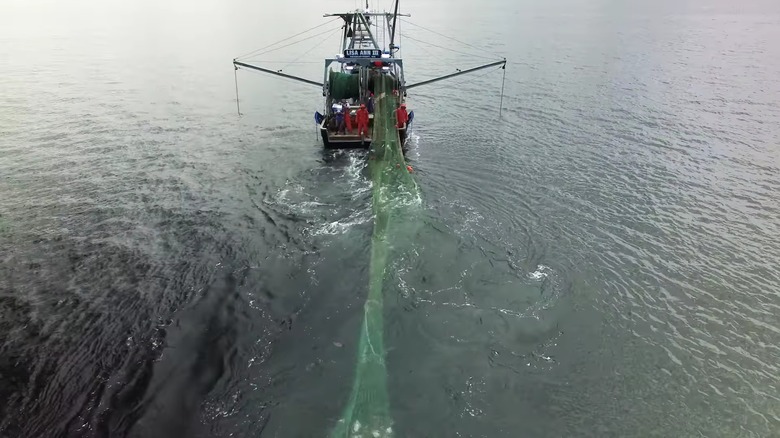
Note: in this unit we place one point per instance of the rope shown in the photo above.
(283, 40)
(501, 104)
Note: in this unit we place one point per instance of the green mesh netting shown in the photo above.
(344, 85)
(395, 194)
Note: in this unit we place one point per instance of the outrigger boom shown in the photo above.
(320, 84)
(277, 73)
(452, 75)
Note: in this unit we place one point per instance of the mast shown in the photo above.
(392, 33)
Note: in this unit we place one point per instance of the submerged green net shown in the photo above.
(395, 193)
(344, 85)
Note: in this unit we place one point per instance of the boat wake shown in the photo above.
(412, 145)
(343, 198)
(468, 270)
(343, 225)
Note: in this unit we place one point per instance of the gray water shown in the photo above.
(601, 261)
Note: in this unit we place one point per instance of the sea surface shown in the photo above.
(602, 259)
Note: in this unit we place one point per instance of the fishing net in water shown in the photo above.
(395, 196)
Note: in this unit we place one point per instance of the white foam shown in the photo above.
(341, 226)
(413, 145)
(290, 198)
(353, 173)
(541, 273)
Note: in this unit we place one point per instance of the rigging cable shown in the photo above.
(308, 51)
(448, 37)
(400, 46)
(285, 39)
(447, 48)
(427, 51)
(341, 41)
(296, 42)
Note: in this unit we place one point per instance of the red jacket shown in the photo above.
(362, 116)
(402, 116)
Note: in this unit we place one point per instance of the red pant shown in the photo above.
(362, 127)
(348, 122)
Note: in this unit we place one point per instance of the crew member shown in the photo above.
(347, 119)
(401, 115)
(340, 121)
(362, 120)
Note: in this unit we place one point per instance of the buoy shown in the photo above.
(409, 168)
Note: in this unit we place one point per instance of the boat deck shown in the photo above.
(351, 139)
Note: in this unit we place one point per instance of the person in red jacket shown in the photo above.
(362, 120)
(402, 116)
(347, 119)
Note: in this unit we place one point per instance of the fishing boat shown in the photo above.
(367, 81)
(350, 78)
